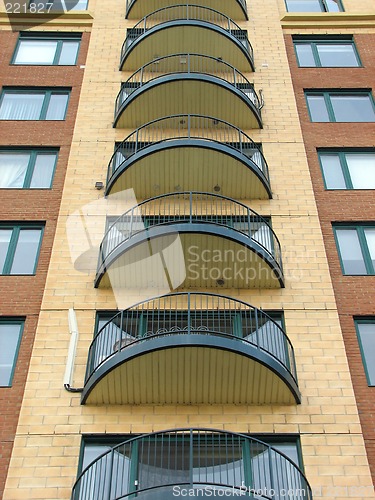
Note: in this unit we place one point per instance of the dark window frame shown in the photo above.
(60, 38)
(34, 152)
(47, 92)
(314, 41)
(341, 154)
(327, 94)
(358, 321)
(20, 321)
(359, 227)
(12, 246)
(324, 7)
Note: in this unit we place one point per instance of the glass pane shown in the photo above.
(36, 52)
(318, 109)
(13, 167)
(350, 251)
(76, 5)
(370, 239)
(304, 6)
(43, 171)
(332, 172)
(9, 338)
(305, 55)
(341, 55)
(26, 252)
(5, 235)
(351, 108)
(68, 53)
(57, 107)
(367, 334)
(21, 106)
(333, 5)
(362, 170)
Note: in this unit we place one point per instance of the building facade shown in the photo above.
(344, 69)
(195, 336)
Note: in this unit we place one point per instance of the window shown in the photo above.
(345, 106)
(356, 246)
(10, 338)
(326, 53)
(314, 5)
(159, 461)
(18, 104)
(27, 169)
(348, 169)
(366, 338)
(19, 248)
(46, 50)
(46, 6)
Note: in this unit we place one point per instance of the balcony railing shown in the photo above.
(201, 314)
(187, 127)
(186, 64)
(158, 466)
(191, 208)
(186, 12)
(130, 3)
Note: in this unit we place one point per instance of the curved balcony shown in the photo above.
(187, 152)
(186, 28)
(162, 465)
(191, 348)
(187, 83)
(236, 9)
(190, 239)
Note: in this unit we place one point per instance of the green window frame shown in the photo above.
(324, 52)
(11, 330)
(27, 168)
(340, 106)
(93, 446)
(314, 6)
(52, 49)
(365, 328)
(348, 168)
(38, 104)
(20, 248)
(356, 248)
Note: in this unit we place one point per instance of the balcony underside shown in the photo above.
(189, 255)
(187, 37)
(231, 8)
(185, 165)
(191, 369)
(186, 93)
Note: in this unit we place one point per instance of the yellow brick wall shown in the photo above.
(46, 451)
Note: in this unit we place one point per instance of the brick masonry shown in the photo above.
(21, 296)
(354, 294)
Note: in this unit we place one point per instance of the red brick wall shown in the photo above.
(22, 295)
(354, 294)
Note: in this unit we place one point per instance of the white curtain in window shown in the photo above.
(13, 170)
(43, 171)
(362, 170)
(36, 51)
(57, 107)
(21, 106)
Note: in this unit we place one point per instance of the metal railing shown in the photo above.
(197, 127)
(188, 64)
(154, 466)
(191, 313)
(130, 3)
(191, 207)
(186, 12)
